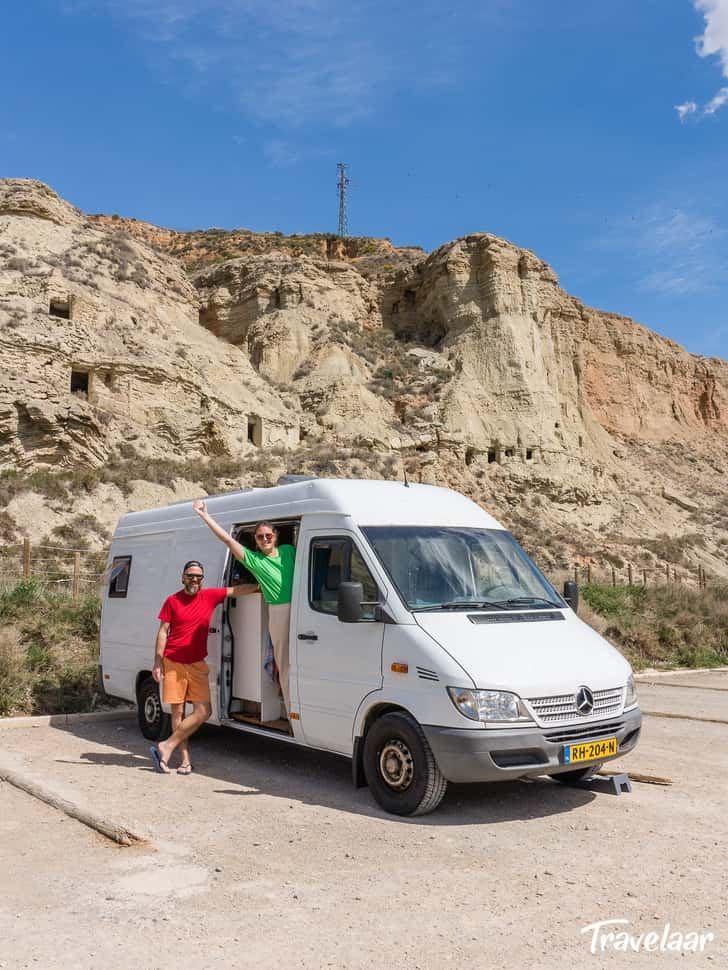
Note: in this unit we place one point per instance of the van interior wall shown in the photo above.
(252, 687)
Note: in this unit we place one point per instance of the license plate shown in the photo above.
(589, 750)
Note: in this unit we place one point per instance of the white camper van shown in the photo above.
(424, 643)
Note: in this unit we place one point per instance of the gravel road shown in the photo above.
(267, 857)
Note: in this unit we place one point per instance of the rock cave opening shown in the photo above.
(60, 308)
(80, 382)
(255, 430)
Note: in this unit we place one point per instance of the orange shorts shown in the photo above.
(185, 682)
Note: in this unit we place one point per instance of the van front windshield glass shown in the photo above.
(439, 568)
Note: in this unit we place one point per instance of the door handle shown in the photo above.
(307, 636)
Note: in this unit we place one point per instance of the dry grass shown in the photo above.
(48, 651)
(662, 626)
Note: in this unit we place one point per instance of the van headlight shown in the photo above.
(630, 693)
(488, 705)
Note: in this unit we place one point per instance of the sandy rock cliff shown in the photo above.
(469, 366)
(102, 347)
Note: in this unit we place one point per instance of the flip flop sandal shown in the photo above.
(184, 770)
(160, 764)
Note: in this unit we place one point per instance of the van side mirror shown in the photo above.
(348, 602)
(571, 594)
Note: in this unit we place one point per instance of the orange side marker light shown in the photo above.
(400, 668)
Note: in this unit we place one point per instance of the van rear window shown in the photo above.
(119, 577)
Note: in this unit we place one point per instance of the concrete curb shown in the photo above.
(652, 672)
(63, 720)
(685, 717)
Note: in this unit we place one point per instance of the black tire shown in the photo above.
(400, 767)
(579, 774)
(154, 724)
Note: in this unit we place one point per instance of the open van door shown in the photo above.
(337, 663)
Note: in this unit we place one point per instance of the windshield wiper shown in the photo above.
(461, 605)
(531, 601)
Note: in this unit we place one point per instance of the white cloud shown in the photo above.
(688, 108)
(297, 62)
(713, 40)
(682, 249)
(672, 251)
(717, 101)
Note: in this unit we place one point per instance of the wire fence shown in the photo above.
(664, 574)
(77, 571)
(56, 567)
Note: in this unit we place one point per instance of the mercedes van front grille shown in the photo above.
(426, 674)
(562, 707)
(585, 733)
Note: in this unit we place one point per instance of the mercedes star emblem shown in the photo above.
(584, 700)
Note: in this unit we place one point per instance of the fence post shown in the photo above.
(588, 572)
(26, 558)
(576, 575)
(629, 573)
(614, 576)
(76, 574)
(644, 577)
(667, 572)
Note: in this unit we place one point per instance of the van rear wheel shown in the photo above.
(400, 767)
(153, 722)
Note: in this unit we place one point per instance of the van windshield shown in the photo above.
(439, 568)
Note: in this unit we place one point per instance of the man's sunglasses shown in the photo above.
(265, 535)
(199, 576)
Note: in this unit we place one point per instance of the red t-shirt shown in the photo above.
(189, 622)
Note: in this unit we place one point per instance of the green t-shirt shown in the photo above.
(274, 573)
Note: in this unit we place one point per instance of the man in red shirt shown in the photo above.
(180, 653)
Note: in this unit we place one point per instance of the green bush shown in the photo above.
(613, 602)
(48, 651)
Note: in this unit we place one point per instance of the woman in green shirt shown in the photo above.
(272, 566)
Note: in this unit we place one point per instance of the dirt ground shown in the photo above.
(267, 857)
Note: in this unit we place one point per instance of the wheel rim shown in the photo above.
(396, 765)
(152, 709)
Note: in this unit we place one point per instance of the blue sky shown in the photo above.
(594, 132)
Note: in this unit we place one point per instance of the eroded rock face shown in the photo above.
(469, 367)
(273, 305)
(102, 348)
(28, 197)
(539, 367)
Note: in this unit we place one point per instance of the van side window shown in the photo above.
(119, 577)
(334, 561)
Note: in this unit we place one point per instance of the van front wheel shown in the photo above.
(400, 767)
(153, 722)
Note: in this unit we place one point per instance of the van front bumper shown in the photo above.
(495, 754)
